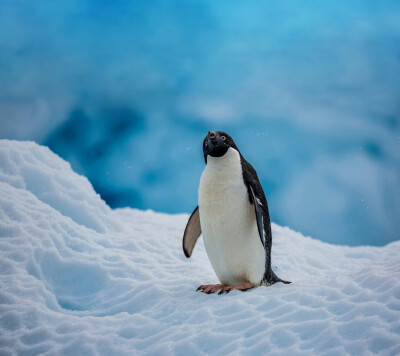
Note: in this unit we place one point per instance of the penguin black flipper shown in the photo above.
(257, 197)
(192, 233)
(259, 215)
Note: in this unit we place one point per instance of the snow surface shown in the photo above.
(80, 278)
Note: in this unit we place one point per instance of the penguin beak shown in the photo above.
(210, 142)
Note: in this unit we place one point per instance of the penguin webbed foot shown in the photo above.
(209, 288)
(242, 287)
(212, 288)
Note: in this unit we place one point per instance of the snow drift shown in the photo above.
(79, 278)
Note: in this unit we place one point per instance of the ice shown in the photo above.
(77, 277)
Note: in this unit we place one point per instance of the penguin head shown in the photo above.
(217, 143)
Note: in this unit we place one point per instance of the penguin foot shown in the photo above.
(242, 287)
(210, 288)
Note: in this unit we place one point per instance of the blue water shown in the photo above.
(126, 91)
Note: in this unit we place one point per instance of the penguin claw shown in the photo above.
(224, 290)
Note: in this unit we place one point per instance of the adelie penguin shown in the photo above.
(233, 217)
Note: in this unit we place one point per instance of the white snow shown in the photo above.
(77, 278)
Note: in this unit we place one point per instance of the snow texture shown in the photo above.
(80, 278)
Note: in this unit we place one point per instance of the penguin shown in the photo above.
(233, 217)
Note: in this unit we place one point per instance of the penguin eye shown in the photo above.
(223, 137)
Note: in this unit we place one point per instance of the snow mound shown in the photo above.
(79, 278)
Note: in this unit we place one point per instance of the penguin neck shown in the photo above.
(230, 162)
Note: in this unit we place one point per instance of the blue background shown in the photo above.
(126, 91)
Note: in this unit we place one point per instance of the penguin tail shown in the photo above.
(276, 279)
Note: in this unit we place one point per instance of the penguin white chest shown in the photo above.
(228, 222)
